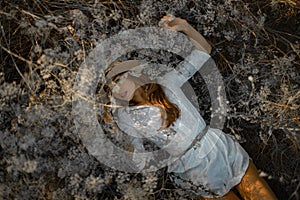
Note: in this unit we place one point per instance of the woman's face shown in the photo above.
(124, 88)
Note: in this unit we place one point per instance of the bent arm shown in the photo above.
(178, 24)
(199, 41)
(195, 60)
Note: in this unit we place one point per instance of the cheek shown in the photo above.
(131, 85)
(125, 86)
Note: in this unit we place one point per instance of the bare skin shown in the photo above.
(252, 186)
(126, 89)
(178, 24)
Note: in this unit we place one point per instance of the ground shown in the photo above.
(256, 46)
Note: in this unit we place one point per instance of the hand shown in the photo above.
(173, 23)
(178, 24)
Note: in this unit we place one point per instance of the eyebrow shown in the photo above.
(116, 78)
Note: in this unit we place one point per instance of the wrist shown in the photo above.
(187, 28)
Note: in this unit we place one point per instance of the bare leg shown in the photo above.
(253, 187)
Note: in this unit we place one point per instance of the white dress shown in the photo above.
(214, 164)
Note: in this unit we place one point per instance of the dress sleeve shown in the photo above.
(187, 68)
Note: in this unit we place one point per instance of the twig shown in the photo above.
(294, 3)
(7, 14)
(15, 64)
(278, 33)
(17, 56)
(30, 14)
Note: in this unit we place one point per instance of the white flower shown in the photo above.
(30, 166)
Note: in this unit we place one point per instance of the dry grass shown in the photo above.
(43, 43)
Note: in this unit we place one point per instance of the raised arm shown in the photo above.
(192, 63)
(178, 24)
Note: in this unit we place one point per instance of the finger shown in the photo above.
(171, 17)
(163, 23)
(172, 23)
(168, 17)
(165, 18)
(167, 22)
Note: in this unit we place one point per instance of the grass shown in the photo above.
(43, 44)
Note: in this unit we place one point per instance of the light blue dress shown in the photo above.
(214, 164)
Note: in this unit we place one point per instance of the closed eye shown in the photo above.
(116, 79)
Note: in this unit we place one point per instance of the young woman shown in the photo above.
(214, 163)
